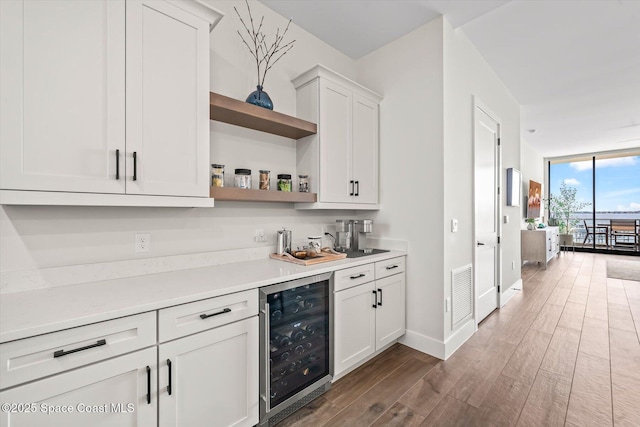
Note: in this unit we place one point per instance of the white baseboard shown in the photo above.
(458, 338)
(424, 344)
(510, 292)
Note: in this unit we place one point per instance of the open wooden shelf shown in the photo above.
(239, 113)
(240, 194)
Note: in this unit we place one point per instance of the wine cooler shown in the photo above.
(296, 339)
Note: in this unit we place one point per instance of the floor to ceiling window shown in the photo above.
(607, 194)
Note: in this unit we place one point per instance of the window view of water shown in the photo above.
(609, 217)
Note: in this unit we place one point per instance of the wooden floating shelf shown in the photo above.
(239, 113)
(240, 194)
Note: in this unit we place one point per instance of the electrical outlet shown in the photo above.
(259, 236)
(143, 242)
(454, 225)
(447, 305)
(513, 265)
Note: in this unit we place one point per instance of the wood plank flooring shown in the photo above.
(563, 352)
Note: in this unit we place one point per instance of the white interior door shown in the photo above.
(487, 251)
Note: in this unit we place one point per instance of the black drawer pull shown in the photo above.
(205, 316)
(169, 367)
(391, 267)
(357, 188)
(375, 299)
(148, 385)
(60, 353)
(351, 183)
(380, 300)
(357, 277)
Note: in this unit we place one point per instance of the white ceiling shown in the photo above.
(574, 66)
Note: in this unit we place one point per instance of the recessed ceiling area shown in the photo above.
(574, 66)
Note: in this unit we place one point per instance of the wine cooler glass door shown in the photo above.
(297, 337)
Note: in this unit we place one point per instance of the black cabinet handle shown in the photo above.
(380, 296)
(479, 244)
(357, 277)
(117, 164)
(351, 183)
(375, 299)
(148, 385)
(135, 166)
(357, 188)
(205, 316)
(60, 353)
(169, 367)
(391, 267)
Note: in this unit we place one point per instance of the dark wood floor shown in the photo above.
(565, 351)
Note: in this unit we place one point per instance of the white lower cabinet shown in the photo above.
(368, 317)
(118, 392)
(210, 378)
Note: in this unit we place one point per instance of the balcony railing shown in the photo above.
(609, 233)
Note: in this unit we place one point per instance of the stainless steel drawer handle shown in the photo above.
(206, 316)
(60, 353)
(357, 277)
(391, 267)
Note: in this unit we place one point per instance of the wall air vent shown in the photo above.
(461, 295)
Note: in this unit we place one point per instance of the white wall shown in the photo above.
(408, 74)
(37, 237)
(428, 79)
(532, 166)
(467, 75)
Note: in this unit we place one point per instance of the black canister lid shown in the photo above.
(264, 171)
(217, 166)
(243, 171)
(284, 176)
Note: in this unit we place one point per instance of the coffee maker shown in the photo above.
(351, 234)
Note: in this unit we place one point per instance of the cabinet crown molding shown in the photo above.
(200, 9)
(326, 73)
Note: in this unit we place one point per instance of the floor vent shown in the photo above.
(461, 295)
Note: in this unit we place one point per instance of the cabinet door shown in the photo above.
(110, 394)
(214, 377)
(167, 100)
(62, 110)
(335, 143)
(355, 319)
(390, 323)
(365, 150)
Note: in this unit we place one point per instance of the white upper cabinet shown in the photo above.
(62, 114)
(69, 122)
(342, 158)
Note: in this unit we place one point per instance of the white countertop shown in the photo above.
(29, 313)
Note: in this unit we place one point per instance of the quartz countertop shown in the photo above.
(30, 313)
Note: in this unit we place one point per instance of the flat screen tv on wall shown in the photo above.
(534, 199)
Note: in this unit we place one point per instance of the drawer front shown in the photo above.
(390, 267)
(350, 277)
(32, 358)
(187, 319)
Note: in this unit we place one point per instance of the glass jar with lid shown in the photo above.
(303, 183)
(284, 182)
(217, 175)
(265, 180)
(243, 178)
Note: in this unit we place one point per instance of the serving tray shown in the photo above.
(324, 256)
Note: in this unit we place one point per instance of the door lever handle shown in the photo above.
(480, 244)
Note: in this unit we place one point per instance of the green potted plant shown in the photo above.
(561, 208)
(531, 222)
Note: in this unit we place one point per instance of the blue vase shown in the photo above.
(260, 98)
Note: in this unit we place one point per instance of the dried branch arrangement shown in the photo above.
(265, 54)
